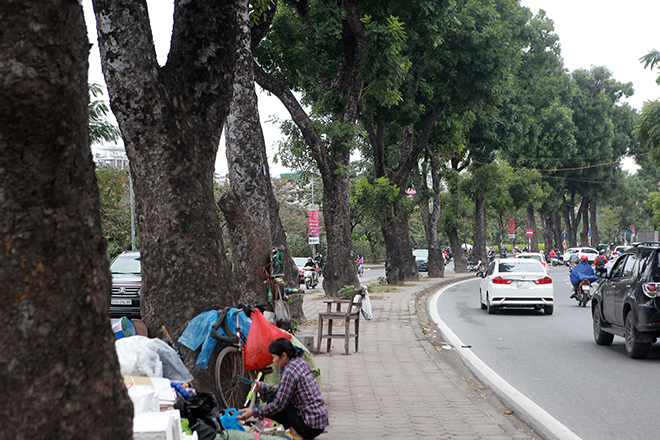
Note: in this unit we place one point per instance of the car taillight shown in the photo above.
(500, 280)
(651, 289)
(546, 280)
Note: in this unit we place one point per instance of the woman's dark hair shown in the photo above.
(284, 345)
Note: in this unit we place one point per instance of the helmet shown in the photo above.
(601, 252)
(584, 258)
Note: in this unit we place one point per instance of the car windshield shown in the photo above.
(522, 266)
(589, 251)
(126, 265)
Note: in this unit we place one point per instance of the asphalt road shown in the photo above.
(596, 392)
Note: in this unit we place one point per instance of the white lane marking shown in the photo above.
(533, 410)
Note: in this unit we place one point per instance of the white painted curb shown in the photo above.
(534, 412)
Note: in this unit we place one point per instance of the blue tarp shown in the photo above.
(198, 333)
(583, 271)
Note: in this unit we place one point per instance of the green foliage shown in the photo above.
(375, 200)
(346, 292)
(648, 130)
(99, 128)
(114, 195)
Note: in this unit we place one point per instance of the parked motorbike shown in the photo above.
(472, 267)
(583, 293)
(311, 278)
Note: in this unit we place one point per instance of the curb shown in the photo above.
(503, 421)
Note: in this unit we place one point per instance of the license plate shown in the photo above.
(523, 284)
(586, 288)
(121, 302)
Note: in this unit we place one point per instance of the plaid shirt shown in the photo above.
(297, 386)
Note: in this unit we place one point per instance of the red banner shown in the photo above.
(313, 223)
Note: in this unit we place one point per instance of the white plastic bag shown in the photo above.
(142, 356)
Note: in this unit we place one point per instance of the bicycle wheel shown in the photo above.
(232, 390)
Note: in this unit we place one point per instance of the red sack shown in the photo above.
(261, 334)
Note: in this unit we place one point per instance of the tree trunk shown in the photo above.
(546, 224)
(436, 261)
(251, 190)
(61, 376)
(460, 263)
(171, 119)
(557, 230)
(531, 224)
(339, 270)
(479, 246)
(595, 238)
(400, 265)
(571, 221)
(584, 215)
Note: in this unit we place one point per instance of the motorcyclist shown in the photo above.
(318, 259)
(580, 272)
(312, 266)
(503, 251)
(359, 262)
(552, 253)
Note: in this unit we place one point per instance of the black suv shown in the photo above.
(627, 300)
(126, 285)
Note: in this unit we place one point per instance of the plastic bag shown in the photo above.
(123, 327)
(203, 414)
(262, 333)
(229, 420)
(282, 312)
(141, 356)
(198, 332)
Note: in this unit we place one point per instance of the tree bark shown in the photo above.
(479, 246)
(460, 263)
(249, 224)
(400, 265)
(557, 230)
(584, 215)
(595, 238)
(571, 221)
(531, 224)
(436, 261)
(61, 376)
(548, 227)
(171, 119)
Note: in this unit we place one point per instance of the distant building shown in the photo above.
(111, 156)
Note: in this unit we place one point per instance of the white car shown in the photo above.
(538, 257)
(516, 282)
(591, 254)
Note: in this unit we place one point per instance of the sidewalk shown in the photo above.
(398, 385)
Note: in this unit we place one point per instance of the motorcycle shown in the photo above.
(554, 260)
(475, 267)
(583, 293)
(311, 278)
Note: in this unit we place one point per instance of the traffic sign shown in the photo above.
(564, 236)
(529, 232)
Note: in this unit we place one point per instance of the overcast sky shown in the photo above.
(608, 33)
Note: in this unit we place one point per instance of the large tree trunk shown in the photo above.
(584, 215)
(248, 222)
(595, 238)
(571, 221)
(546, 224)
(556, 229)
(171, 120)
(436, 261)
(339, 270)
(479, 246)
(531, 224)
(400, 265)
(60, 375)
(460, 263)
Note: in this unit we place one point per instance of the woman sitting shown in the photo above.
(296, 402)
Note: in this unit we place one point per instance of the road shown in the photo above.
(371, 274)
(596, 392)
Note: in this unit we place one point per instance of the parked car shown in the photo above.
(516, 282)
(300, 263)
(536, 256)
(626, 302)
(421, 259)
(126, 285)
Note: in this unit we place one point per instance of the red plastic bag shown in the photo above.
(261, 334)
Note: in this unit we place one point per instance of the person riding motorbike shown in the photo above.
(318, 259)
(580, 272)
(358, 263)
(600, 262)
(312, 265)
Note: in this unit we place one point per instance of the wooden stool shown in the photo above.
(351, 312)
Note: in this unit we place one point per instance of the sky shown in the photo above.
(608, 33)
